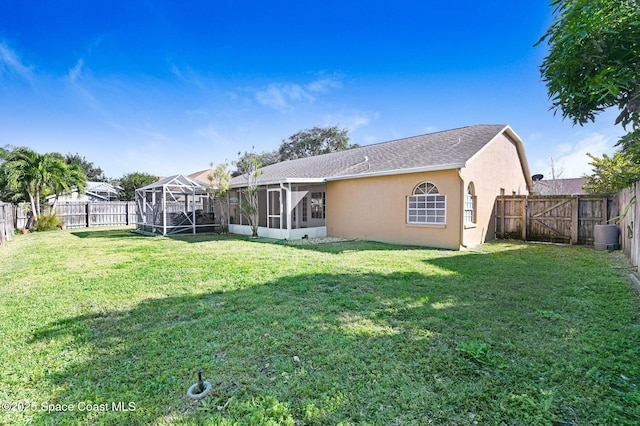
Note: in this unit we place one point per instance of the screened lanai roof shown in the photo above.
(178, 184)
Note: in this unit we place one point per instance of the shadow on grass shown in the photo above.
(328, 247)
(117, 233)
(322, 247)
(331, 348)
(324, 349)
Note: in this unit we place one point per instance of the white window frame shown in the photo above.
(470, 204)
(318, 202)
(426, 206)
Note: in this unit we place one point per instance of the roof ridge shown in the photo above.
(372, 145)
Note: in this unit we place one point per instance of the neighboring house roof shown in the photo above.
(571, 186)
(95, 191)
(103, 187)
(201, 175)
(444, 150)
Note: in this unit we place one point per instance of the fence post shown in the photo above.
(605, 211)
(523, 234)
(86, 211)
(504, 216)
(575, 210)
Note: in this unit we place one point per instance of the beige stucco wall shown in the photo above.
(497, 167)
(375, 208)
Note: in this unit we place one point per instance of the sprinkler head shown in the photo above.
(201, 386)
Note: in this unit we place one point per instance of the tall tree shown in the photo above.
(131, 181)
(594, 63)
(34, 175)
(315, 141)
(73, 178)
(93, 173)
(250, 164)
(219, 178)
(265, 158)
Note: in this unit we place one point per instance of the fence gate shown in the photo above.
(556, 218)
(551, 219)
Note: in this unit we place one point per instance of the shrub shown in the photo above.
(47, 223)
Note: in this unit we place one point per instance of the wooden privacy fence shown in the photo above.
(629, 214)
(86, 214)
(82, 215)
(7, 222)
(555, 218)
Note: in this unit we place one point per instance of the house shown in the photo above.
(95, 192)
(434, 190)
(571, 186)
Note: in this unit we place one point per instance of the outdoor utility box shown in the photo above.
(605, 237)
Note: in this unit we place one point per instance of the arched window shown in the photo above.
(470, 204)
(426, 205)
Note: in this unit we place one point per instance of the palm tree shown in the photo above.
(36, 175)
(73, 177)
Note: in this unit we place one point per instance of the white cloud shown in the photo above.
(323, 85)
(352, 120)
(209, 132)
(82, 83)
(76, 71)
(570, 160)
(196, 113)
(10, 63)
(282, 96)
(286, 96)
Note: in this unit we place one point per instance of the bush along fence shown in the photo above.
(87, 214)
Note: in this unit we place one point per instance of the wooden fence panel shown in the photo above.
(82, 215)
(72, 215)
(549, 219)
(7, 222)
(556, 218)
(627, 219)
(511, 219)
(22, 217)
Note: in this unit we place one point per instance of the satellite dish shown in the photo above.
(537, 177)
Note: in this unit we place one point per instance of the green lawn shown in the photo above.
(348, 333)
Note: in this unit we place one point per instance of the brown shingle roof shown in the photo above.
(437, 151)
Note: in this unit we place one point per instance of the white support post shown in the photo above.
(193, 210)
(288, 207)
(268, 205)
(164, 210)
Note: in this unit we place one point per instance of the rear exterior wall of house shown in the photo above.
(375, 208)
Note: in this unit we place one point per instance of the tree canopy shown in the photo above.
(93, 172)
(131, 181)
(611, 174)
(594, 63)
(315, 141)
(31, 176)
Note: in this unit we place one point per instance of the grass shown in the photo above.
(115, 326)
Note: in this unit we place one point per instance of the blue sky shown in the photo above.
(168, 87)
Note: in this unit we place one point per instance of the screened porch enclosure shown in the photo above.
(284, 211)
(175, 205)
